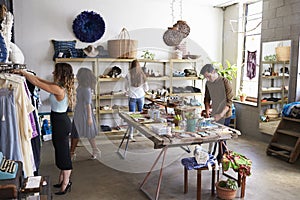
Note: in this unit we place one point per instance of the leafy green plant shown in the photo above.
(229, 184)
(270, 58)
(240, 93)
(148, 55)
(229, 71)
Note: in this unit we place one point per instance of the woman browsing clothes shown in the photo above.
(136, 86)
(61, 97)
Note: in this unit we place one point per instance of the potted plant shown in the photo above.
(226, 189)
(228, 71)
(147, 56)
(242, 96)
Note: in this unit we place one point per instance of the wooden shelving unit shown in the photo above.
(273, 87)
(286, 140)
(101, 97)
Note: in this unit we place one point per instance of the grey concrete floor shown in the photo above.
(113, 178)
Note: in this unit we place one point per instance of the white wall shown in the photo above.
(38, 21)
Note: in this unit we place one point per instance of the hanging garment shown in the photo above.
(23, 108)
(9, 137)
(251, 64)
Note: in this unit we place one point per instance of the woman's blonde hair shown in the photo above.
(137, 76)
(64, 77)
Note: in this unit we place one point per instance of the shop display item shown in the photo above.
(123, 47)
(88, 26)
(91, 51)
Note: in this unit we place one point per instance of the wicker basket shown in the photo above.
(283, 53)
(123, 47)
(272, 113)
(224, 193)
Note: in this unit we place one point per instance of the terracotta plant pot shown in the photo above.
(225, 193)
(243, 98)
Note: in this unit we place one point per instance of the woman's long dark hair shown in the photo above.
(64, 77)
(86, 78)
(137, 76)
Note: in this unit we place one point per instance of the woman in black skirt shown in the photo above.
(61, 97)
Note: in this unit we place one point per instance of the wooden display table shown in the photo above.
(217, 133)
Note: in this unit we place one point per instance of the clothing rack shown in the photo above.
(8, 67)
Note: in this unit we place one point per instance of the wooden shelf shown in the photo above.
(107, 84)
(161, 78)
(110, 79)
(274, 77)
(286, 140)
(273, 91)
(112, 96)
(273, 103)
(185, 78)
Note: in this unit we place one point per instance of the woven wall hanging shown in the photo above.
(88, 26)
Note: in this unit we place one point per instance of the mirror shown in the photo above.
(274, 83)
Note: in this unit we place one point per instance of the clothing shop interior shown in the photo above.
(150, 99)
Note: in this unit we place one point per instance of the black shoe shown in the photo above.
(58, 185)
(67, 189)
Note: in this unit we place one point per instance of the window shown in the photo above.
(252, 28)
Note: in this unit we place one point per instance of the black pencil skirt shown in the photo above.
(61, 128)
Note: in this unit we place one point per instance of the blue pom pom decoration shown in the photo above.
(88, 26)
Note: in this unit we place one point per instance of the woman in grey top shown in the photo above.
(84, 122)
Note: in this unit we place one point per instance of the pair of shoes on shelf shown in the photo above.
(96, 153)
(73, 156)
(67, 189)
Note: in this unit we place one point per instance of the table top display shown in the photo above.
(163, 134)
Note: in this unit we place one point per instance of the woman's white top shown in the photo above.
(135, 92)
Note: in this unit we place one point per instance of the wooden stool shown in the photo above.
(189, 164)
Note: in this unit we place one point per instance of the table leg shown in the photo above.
(199, 171)
(127, 141)
(213, 181)
(163, 151)
(243, 186)
(185, 181)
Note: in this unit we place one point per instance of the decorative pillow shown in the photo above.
(64, 49)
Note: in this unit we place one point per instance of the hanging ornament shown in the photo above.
(173, 37)
(180, 30)
(182, 27)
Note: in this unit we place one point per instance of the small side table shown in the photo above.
(44, 194)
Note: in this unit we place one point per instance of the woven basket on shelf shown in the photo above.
(123, 47)
(225, 193)
(283, 53)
